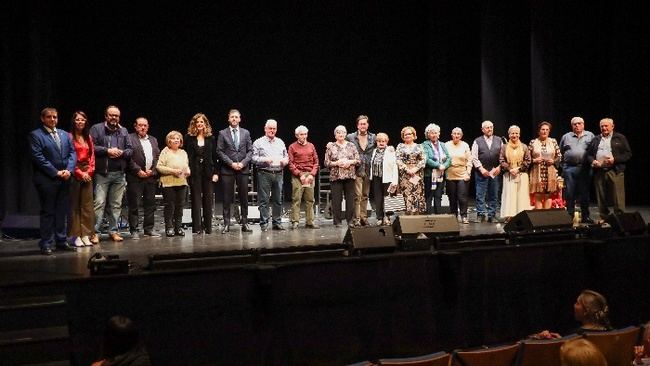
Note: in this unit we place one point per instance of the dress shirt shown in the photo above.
(264, 148)
(148, 151)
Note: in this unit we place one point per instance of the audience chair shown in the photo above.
(362, 363)
(542, 352)
(617, 345)
(434, 359)
(492, 356)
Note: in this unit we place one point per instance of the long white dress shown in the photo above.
(515, 194)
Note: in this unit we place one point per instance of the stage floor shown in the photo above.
(21, 261)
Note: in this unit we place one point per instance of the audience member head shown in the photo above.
(591, 310)
(120, 336)
(581, 352)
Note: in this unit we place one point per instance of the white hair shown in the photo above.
(431, 127)
(340, 128)
(577, 119)
(301, 129)
(487, 124)
(457, 129)
(514, 127)
(270, 122)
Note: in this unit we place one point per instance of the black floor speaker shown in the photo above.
(542, 219)
(627, 223)
(430, 225)
(21, 226)
(370, 237)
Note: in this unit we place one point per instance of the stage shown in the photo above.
(301, 296)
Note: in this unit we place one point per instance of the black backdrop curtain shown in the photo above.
(321, 64)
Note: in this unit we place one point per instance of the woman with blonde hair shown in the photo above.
(410, 164)
(174, 169)
(202, 155)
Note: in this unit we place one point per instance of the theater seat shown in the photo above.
(617, 345)
(434, 359)
(542, 352)
(491, 356)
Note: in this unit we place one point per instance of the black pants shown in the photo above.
(141, 192)
(457, 192)
(434, 198)
(340, 187)
(228, 182)
(379, 190)
(174, 200)
(201, 196)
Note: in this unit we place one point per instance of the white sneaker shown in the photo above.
(86, 240)
(78, 242)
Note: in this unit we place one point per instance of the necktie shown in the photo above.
(57, 139)
(235, 137)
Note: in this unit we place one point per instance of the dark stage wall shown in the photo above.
(322, 64)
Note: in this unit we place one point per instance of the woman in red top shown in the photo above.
(82, 217)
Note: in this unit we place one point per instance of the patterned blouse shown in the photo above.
(336, 152)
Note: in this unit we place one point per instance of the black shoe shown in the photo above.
(179, 232)
(278, 227)
(135, 235)
(208, 230)
(151, 234)
(246, 229)
(491, 219)
(46, 251)
(264, 228)
(226, 228)
(169, 232)
(197, 232)
(65, 247)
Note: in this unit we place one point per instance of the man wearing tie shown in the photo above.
(234, 149)
(53, 158)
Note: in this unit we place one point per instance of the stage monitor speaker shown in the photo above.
(541, 219)
(370, 237)
(21, 226)
(627, 223)
(413, 225)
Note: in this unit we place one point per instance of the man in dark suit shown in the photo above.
(234, 149)
(142, 178)
(54, 158)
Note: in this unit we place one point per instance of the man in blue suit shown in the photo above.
(54, 158)
(235, 151)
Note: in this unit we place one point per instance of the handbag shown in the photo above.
(394, 203)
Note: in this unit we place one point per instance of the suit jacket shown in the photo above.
(227, 153)
(46, 157)
(621, 151)
(210, 164)
(138, 161)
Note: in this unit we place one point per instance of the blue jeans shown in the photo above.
(577, 183)
(269, 184)
(109, 189)
(490, 187)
